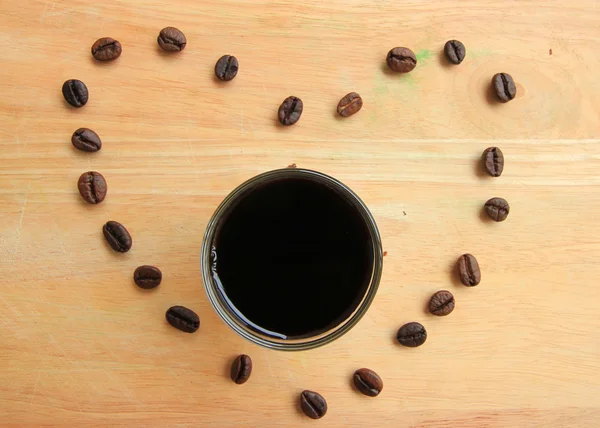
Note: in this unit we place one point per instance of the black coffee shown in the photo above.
(293, 256)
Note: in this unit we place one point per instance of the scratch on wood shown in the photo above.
(126, 391)
(11, 307)
(43, 14)
(109, 350)
(292, 378)
(37, 381)
(19, 226)
(59, 347)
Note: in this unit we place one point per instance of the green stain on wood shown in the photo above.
(380, 87)
(409, 80)
(478, 53)
(423, 55)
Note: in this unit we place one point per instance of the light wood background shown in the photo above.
(80, 345)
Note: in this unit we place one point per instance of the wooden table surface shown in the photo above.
(81, 345)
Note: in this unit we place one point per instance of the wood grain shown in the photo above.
(82, 346)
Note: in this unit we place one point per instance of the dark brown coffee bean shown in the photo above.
(241, 369)
(117, 236)
(412, 334)
(75, 92)
(497, 209)
(368, 382)
(92, 187)
(86, 140)
(468, 270)
(402, 60)
(171, 39)
(183, 319)
(455, 51)
(350, 104)
(106, 49)
(290, 111)
(147, 277)
(441, 303)
(313, 404)
(504, 86)
(493, 160)
(226, 68)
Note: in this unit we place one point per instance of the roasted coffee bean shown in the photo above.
(504, 86)
(313, 404)
(455, 51)
(497, 209)
(412, 334)
(147, 277)
(226, 68)
(368, 382)
(401, 60)
(106, 49)
(183, 319)
(468, 270)
(92, 187)
(241, 369)
(75, 92)
(290, 111)
(350, 104)
(171, 39)
(441, 303)
(86, 140)
(117, 236)
(493, 160)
